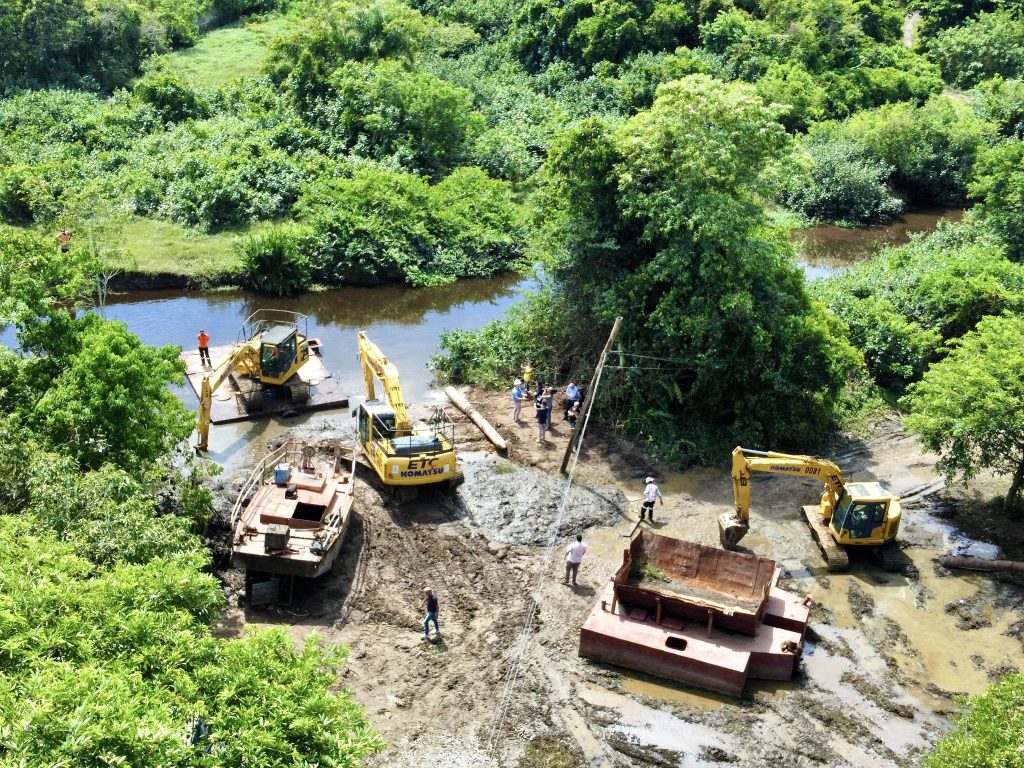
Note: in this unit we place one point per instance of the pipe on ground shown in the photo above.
(980, 564)
(459, 401)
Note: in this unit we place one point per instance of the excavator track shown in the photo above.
(891, 558)
(835, 556)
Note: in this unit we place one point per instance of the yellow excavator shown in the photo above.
(265, 361)
(851, 515)
(402, 454)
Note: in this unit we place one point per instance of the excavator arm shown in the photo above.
(733, 526)
(376, 365)
(210, 385)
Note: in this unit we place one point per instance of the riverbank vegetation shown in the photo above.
(107, 653)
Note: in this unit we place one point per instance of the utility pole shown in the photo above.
(591, 392)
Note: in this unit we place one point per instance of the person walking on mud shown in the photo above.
(651, 494)
(430, 601)
(573, 557)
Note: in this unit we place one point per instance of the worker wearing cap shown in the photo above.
(204, 347)
(651, 494)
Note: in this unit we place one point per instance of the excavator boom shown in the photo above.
(376, 365)
(210, 385)
(402, 454)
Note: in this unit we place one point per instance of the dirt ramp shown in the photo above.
(519, 505)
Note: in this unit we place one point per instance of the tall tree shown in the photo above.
(658, 219)
(969, 407)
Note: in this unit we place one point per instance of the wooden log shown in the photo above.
(980, 564)
(460, 402)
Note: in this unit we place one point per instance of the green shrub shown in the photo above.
(273, 262)
(1001, 102)
(907, 301)
(382, 226)
(843, 186)
(991, 44)
(585, 32)
(748, 47)
(998, 184)
(931, 148)
(172, 99)
(385, 111)
(800, 99)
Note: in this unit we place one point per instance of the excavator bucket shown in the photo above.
(731, 529)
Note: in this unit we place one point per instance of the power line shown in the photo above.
(515, 668)
(623, 353)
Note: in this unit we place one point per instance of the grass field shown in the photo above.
(161, 247)
(227, 53)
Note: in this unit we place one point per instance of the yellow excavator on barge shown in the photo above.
(272, 368)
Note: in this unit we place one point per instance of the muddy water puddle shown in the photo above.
(910, 621)
(659, 728)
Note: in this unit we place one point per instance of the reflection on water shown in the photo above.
(406, 323)
(828, 249)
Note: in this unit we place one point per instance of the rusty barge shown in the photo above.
(698, 615)
(293, 511)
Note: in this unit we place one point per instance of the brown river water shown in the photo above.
(828, 249)
(406, 323)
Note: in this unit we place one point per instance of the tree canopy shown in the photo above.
(657, 219)
(969, 407)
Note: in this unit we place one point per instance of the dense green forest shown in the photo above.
(106, 652)
(642, 155)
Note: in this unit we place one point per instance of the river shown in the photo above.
(828, 249)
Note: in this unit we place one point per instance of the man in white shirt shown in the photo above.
(651, 494)
(573, 557)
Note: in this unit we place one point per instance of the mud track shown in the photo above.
(885, 654)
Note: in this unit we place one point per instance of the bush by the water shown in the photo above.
(901, 306)
(843, 185)
(989, 729)
(273, 262)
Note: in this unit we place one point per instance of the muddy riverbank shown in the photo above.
(885, 656)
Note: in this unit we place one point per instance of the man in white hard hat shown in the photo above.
(651, 494)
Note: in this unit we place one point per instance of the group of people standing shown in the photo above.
(543, 402)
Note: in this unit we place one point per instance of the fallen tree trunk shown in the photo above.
(460, 402)
(980, 564)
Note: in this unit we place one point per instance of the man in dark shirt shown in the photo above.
(430, 601)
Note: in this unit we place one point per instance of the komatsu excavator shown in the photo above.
(401, 453)
(266, 359)
(848, 515)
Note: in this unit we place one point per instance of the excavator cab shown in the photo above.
(863, 514)
(403, 457)
(281, 354)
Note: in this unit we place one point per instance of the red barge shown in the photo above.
(698, 615)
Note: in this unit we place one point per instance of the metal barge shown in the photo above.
(697, 615)
(292, 513)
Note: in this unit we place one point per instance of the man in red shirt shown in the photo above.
(204, 347)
